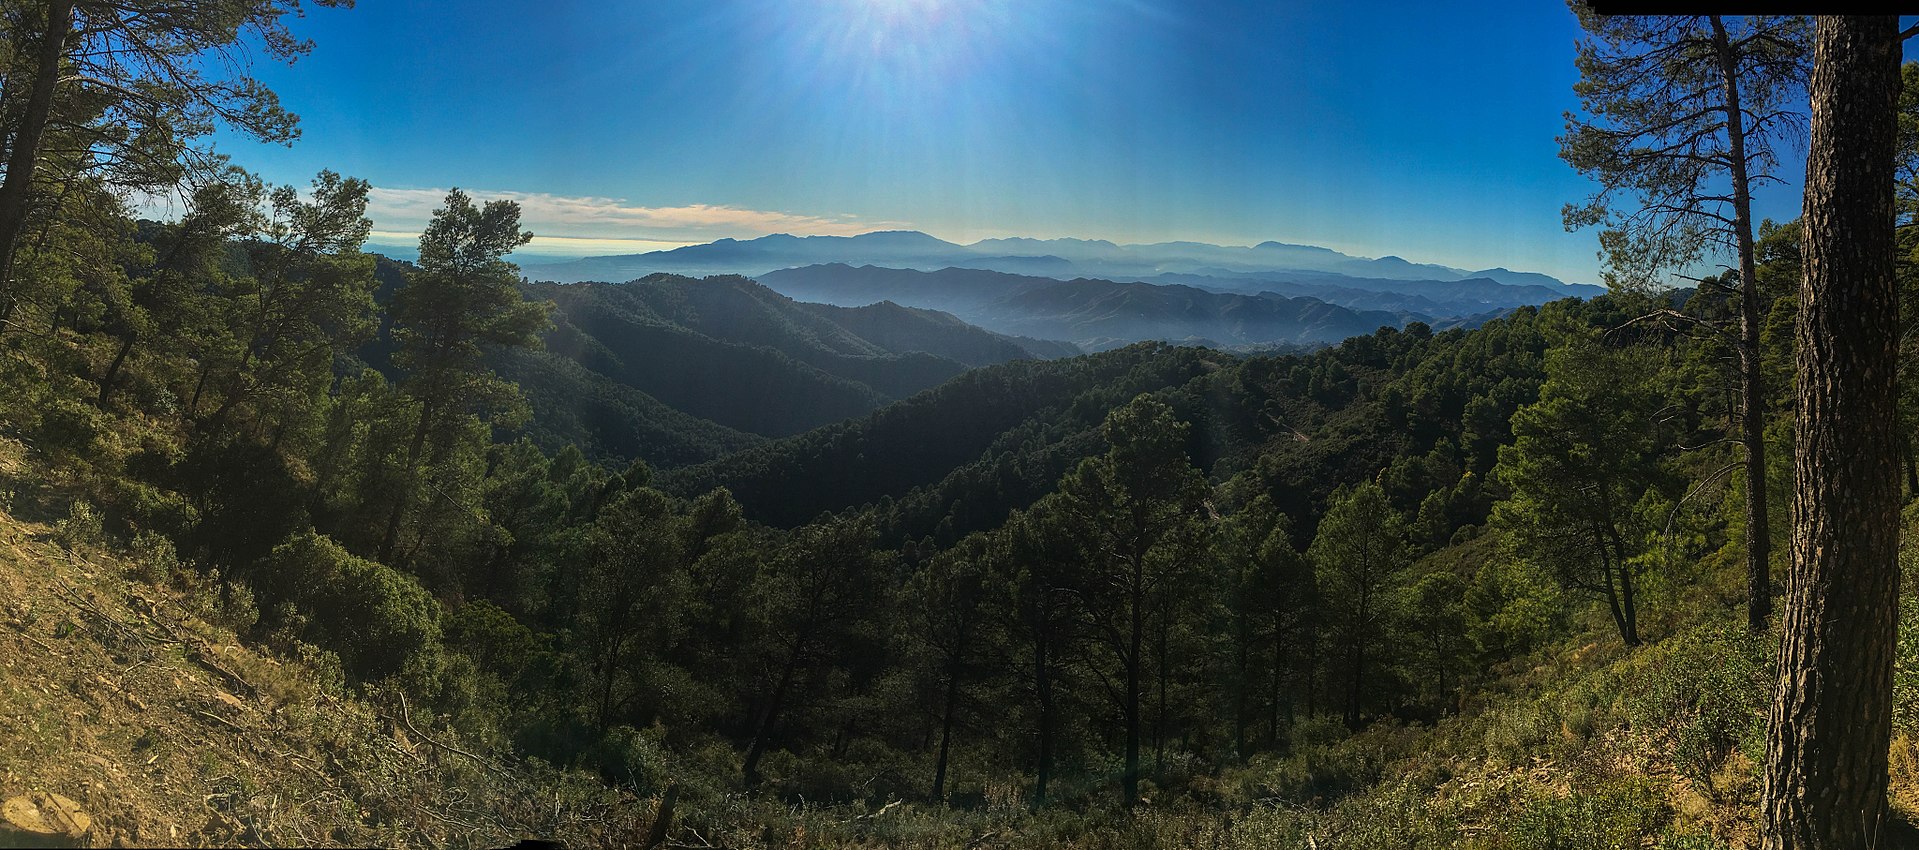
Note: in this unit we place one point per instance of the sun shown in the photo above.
(881, 25)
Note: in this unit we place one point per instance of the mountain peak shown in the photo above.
(898, 236)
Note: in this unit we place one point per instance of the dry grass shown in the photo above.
(169, 731)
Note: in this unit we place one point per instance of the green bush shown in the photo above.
(69, 429)
(1703, 694)
(1614, 815)
(380, 621)
(633, 758)
(81, 528)
(144, 508)
(499, 644)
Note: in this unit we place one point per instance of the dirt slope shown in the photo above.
(162, 729)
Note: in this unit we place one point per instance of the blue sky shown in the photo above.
(1421, 130)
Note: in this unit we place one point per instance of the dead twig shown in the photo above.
(37, 642)
(406, 717)
(222, 721)
(446, 820)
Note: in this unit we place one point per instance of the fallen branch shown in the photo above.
(37, 642)
(222, 721)
(406, 717)
(447, 820)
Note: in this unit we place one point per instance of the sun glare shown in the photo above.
(904, 39)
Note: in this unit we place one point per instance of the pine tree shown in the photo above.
(1134, 513)
(462, 300)
(1683, 114)
(1831, 720)
(1582, 458)
(1359, 557)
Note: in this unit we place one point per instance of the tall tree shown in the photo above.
(1683, 116)
(1830, 726)
(1134, 513)
(1041, 609)
(946, 608)
(1582, 458)
(307, 300)
(635, 594)
(819, 594)
(1268, 601)
(1360, 557)
(463, 299)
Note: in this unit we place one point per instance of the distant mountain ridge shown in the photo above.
(1093, 314)
(1064, 256)
(1440, 295)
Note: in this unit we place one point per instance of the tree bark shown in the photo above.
(17, 188)
(113, 369)
(662, 819)
(403, 498)
(1241, 668)
(946, 734)
(1159, 711)
(1279, 667)
(750, 770)
(1130, 781)
(1355, 686)
(1043, 692)
(1752, 392)
(1629, 607)
(1830, 722)
(955, 667)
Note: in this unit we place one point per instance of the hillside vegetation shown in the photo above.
(673, 370)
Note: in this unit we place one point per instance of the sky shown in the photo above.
(1425, 131)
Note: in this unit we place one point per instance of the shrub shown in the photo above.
(81, 528)
(1703, 694)
(69, 429)
(1613, 815)
(633, 758)
(380, 621)
(154, 558)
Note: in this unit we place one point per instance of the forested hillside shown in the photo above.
(673, 370)
(914, 583)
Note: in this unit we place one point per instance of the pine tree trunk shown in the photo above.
(1629, 606)
(403, 498)
(1359, 662)
(1159, 712)
(1359, 675)
(17, 188)
(1613, 570)
(1043, 691)
(1130, 781)
(1752, 392)
(1312, 670)
(1830, 724)
(113, 370)
(1279, 666)
(1242, 669)
(946, 732)
(750, 770)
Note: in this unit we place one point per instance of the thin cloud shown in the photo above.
(596, 219)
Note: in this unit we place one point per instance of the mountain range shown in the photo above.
(1094, 315)
(1433, 293)
(1050, 257)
